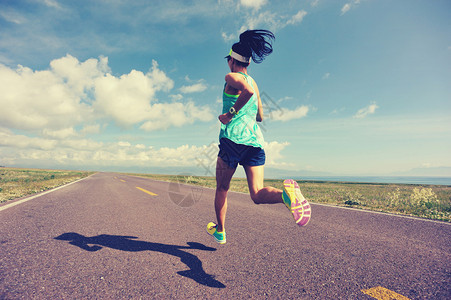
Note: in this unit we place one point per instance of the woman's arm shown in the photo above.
(260, 106)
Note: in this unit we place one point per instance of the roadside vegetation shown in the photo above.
(16, 183)
(424, 201)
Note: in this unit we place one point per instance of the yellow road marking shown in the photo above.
(381, 293)
(122, 180)
(146, 191)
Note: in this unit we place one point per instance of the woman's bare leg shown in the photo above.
(260, 194)
(224, 174)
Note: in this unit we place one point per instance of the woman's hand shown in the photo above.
(225, 118)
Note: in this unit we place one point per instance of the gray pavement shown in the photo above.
(113, 236)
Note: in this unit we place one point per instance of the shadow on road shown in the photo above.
(128, 243)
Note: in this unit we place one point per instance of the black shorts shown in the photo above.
(233, 154)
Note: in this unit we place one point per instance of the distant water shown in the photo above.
(383, 179)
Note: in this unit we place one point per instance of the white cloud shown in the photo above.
(326, 76)
(345, 8)
(70, 145)
(73, 94)
(195, 88)
(126, 99)
(228, 37)
(18, 141)
(90, 129)
(284, 114)
(96, 155)
(297, 18)
(348, 6)
(80, 76)
(266, 19)
(176, 97)
(124, 144)
(52, 3)
(370, 109)
(255, 4)
(54, 109)
(32, 100)
(175, 114)
(86, 153)
(337, 111)
(60, 134)
(8, 139)
(273, 154)
(273, 21)
(12, 17)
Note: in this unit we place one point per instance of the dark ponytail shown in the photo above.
(255, 43)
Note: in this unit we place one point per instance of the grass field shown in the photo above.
(16, 183)
(425, 201)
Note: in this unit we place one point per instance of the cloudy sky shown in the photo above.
(353, 87)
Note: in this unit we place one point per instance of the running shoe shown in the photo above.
(296, 203)
(219, 237)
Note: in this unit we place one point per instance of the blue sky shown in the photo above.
(353, 87)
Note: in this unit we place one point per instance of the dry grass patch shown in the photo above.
(425, 201)
(16, 183)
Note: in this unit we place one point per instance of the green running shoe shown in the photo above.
(220, 237)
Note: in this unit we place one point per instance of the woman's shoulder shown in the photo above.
(235, 76)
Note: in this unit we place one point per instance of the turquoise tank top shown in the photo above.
(243, 129)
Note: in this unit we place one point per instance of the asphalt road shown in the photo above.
(112, 236)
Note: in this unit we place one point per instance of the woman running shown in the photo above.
(241, 140)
